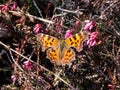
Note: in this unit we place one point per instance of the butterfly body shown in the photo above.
(59, 52)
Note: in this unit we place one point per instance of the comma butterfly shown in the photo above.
(58, 53)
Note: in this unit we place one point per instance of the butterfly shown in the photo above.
(58, 51)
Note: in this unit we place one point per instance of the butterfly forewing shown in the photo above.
(47, 41)
(76, 41)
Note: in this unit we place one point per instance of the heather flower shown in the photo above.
(68, 34)
(93, 35)
(92, 41)
(14, 6)
(27, 65)
(13, 77)
(89, 26)
(77, 24)
(5, 7)
(111, 87)
(37, 28)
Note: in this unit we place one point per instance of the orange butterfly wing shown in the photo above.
(61, 58)
(76, 41)
(47, 41)
(68, 55)
(54, 55)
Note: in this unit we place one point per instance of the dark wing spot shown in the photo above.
(50, 43)
(77, 40)
(46, 42)
(55, 54)
(69, 51)
(53, 50)
(52, 40)
(48, 38)
(66, 55)
(70, 39)
(74, 37)
(72, 43)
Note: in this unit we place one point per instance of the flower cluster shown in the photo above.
(28, 65)
(92, 41)
(93, 35)
(13, 78)
(89, 26)
(111, 87)
(12, 6)
(37, 28)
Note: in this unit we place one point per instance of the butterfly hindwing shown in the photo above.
(68, 55)
(59, 58)
(54, 55)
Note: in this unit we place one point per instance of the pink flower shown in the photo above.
(111, 87)
(5, 7)
(93, 35)
(37, 28)
(68, 34)
(14, 6)
(89, 26)
(92, 41)
(13, 77)
(77, 24)
(27, 65)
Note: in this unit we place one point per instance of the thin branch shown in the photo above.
(35, 17)
(106, 77)
(69, 11)
(15, 61)
(37, 8)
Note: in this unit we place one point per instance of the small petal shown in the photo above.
(111, 87)
(93, 43)
(89, 26)
(94, 35)
(13, 77)
(68, 34)
(14, 6)
(27, 65)
(37, 28)
(5, 7)
(77, 24)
